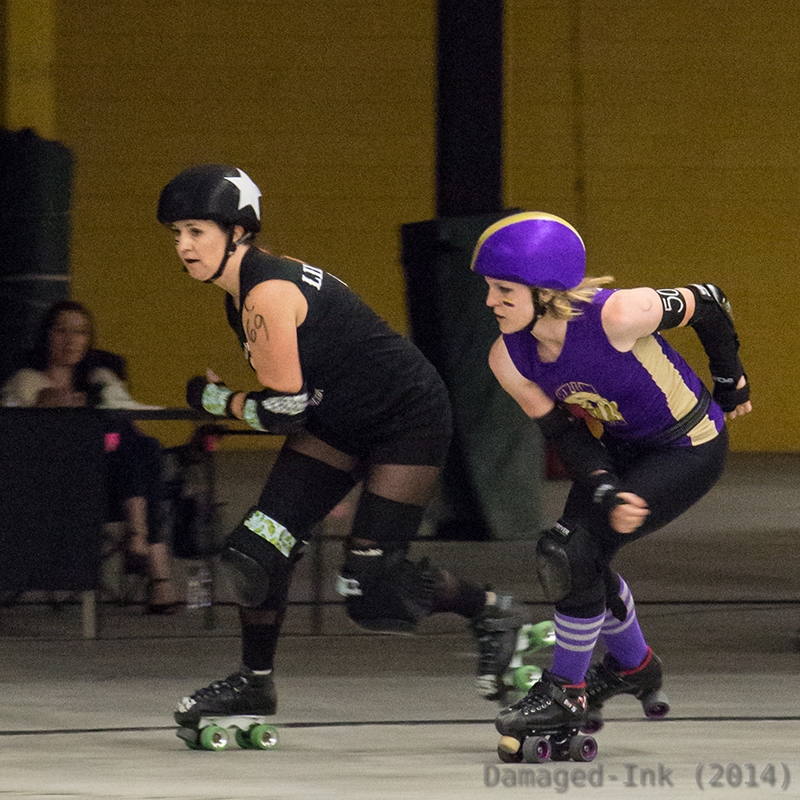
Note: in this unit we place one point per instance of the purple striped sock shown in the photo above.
(625, 640)
(575, 641)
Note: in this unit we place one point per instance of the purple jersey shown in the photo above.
(635, 395)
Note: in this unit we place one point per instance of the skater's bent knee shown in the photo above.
(567, 558)
(552, 565)
(258, 558)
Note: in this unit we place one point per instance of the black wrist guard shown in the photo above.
(276, 412)
(728, 397)
(580, 452)
(605, 491)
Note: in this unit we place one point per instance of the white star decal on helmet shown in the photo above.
(248, 191)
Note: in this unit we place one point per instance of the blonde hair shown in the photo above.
(562, 304)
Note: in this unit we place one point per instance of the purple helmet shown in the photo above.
(532, 248)
(217, 192)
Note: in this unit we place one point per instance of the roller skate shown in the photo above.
(607, 679)
(497, 630)
(545, 725)
(240, 704)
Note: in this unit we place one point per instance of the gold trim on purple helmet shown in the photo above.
(533, 248)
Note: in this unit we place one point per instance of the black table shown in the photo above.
(53, 498)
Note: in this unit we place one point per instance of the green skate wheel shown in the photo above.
(243, 739)
(263, 737)
(541, 635)
(213, 737)
(525, 677)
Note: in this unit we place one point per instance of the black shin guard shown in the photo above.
(259, 643)
(301, 491)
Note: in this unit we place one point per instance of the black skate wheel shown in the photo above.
(535, 750)
(559, 747)
(509, 750)
(582, 748)
(593, 721)
(655, 705)
(509, 758)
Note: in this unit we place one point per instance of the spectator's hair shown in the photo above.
(39, 354)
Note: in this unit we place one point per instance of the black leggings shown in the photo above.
(670, 480)
(310, 478)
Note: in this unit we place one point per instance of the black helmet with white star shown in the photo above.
(224, 194)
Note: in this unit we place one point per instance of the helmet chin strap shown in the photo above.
(230, 249)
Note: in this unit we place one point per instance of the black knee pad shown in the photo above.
(258, 558)
(386, 591)
(567, 559)
(552, 562)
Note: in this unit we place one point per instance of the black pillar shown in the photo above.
(490, 483)
(469, 107)
(35, 227)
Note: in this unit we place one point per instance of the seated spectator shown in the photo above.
(63, 370)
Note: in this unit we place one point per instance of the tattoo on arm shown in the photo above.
(253, 324)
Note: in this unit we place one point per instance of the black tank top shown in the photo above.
(370, 382)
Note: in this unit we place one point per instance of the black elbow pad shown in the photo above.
(276, 412)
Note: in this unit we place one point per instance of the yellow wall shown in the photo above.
(667, 132)
(328, 107)
(681, 120)
(27, 86)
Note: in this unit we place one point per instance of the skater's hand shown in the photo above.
(742, 408)
(236, 407)
(209, 394)
(629, 515)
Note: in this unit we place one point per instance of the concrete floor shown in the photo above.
(371, 716)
